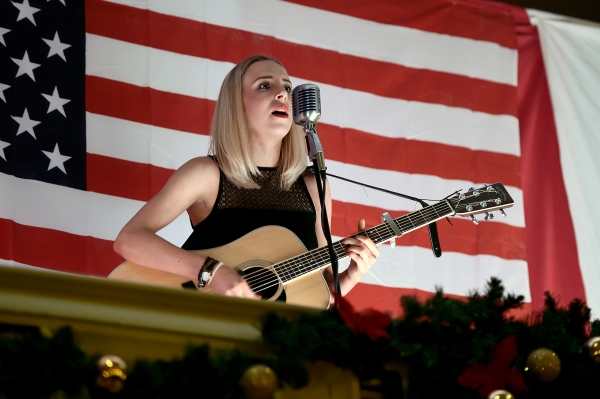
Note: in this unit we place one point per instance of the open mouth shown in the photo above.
(280, 112)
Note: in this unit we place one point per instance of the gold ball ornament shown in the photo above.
(259, 382)
(112, 373)
(543, 364)
(593, 346)
(501, 394)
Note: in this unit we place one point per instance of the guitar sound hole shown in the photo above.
(263, 282)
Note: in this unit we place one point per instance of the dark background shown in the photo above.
(584, 9)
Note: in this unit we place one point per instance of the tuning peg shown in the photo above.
(503, 213)
(489, 216)
(474, 219)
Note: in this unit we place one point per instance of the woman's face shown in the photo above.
(267, 100)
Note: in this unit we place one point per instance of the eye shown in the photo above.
(263, 86)
(288, 89)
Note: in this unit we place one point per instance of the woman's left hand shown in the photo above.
(363, 252)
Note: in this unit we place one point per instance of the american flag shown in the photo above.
(100, 101)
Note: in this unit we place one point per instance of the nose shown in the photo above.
(282, 94)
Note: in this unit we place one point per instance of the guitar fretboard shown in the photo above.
(319, 258)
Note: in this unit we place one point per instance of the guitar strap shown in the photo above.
(432, 227)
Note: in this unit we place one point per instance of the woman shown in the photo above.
(254, 178)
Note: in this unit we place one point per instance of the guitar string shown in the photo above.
(283, 267)
(270, 276)
(287, 266)
(274, 280)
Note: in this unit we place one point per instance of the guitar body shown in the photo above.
(250, 255)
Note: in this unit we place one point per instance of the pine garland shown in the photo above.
(436, 340)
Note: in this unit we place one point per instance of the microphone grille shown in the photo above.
(306, 103)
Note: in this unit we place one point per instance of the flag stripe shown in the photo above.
(187, 114)
(175, 73)
(349, 35)
(421, 270)
(214, 42)
(457, 18)
(57, 250)
(487, 238)
(420, 185)
(149, 106)
(125, 179)
(498, 239)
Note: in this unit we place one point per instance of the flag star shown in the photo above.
(56, 103)
(26, 124)
(26, 11)
(56, 47)
(62, 1)
(2, 33)
(2, 88)
(57, 160)
(25, 66)
(3, 145)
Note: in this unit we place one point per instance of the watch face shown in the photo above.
(205, 276)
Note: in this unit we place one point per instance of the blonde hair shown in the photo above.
(230, 137)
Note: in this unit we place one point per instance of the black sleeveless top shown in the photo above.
(238, 211)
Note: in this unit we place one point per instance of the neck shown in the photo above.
(265, 154)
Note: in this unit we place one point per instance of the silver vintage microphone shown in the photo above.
(306, 105)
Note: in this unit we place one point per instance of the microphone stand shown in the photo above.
(315, 154)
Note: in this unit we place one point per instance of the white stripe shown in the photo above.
(118, 138)
(141, 143)
(416, 267)
(456, 273)
(349, 35)
(388, 117)
(420, 186)
(84, 213)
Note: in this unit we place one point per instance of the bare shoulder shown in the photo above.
(202, 170)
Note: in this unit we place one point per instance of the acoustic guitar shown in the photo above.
(276, 265)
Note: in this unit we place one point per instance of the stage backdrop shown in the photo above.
(100, 102)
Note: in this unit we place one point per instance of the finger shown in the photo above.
(369, 243)
(362, 225)
(362, 251)
(362, 241)
(361, 264)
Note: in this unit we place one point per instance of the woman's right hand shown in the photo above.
(228, 282)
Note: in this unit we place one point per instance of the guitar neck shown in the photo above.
(319, 258)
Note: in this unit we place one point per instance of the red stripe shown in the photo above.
(486, 22)
(141, 181)
(225, 44)
(173, 111)
(125, 179)
(551, 245)
(149, 106)
(487, 238)
(56, 250)
(419, 157)
(387, 299)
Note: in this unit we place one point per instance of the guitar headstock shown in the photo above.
(482, 200)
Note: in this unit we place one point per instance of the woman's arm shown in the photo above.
(195, 184)
(362, 250)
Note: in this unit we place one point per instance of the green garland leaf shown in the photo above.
(436, 340)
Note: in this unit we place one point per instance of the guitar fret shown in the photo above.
(319, 257)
